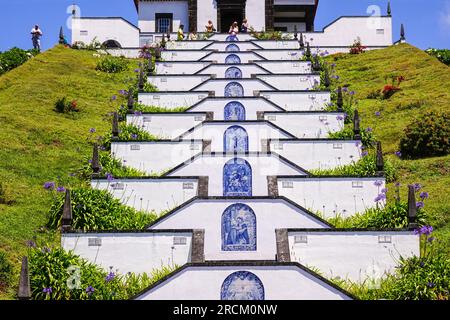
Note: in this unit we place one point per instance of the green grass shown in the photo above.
(425, 88)
(38, 144)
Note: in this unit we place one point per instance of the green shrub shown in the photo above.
(391, 215)
(54, 269)
(129, 132)
(94, 209)
(14, 57)
(154, 109)
(5, 272)
(64, 106)
(110, 64)
(365, 167)
(442, 55)
(427, 136)
(111, 165)
(367, 137)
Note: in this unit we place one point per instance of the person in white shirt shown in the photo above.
(36, 35)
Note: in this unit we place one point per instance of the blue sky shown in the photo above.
(427, 22)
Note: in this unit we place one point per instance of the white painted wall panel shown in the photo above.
(255, 12)
(307, 125)
(147, 11)
(166, 125)
(246, 69)
(220, 57)
(205, 13)
(291, 81)
(187, 45)
(185, 55)
(270, 214)
(171, 99)
(177, 83)
(212, 166)
(353, 255)
(317, 154)
(130, 252)
(150, 194)
(162, 68)
(299, 101)
(286, 54)
(332, 196)
(218, 86)
(221, 46)
(285, 67)
(155, 157)
(280, 283)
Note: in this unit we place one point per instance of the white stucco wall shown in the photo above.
(262, 165)
(205, 13)
(299, 100)
(222, 45)
(270, 215)
(223, 36)
(166, 125)
(185, 55)
(220, 69)
(179, 67)
(291, 81)
(353, 255)
(220, 57)
(130, 252)
(171, 99)
(307, 125)
(155, 157)
(255, 12)
(150, 194)
(187, 45)
(332, 196)
(103, 29)
(215, 132)
(218, 86)
(147, 11)
(280, 283)
(251, 105)
(285, 67)
(177, 83)
(318, 154)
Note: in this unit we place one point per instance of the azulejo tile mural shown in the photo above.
(234, 89)
(232, 48)
(235, 139)
(233, 73)
(238, 228)
(232, 38)
(242, 285)
(234, 110)
(232, 59)
(237, 178)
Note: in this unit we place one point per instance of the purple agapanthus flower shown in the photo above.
(49, 185)
(90, 290)
(420, 204)
(123, 92)
(109, 177)
(134, 136)
(384, 190)
(333, 65)
(364, 153)
(60, 189)
(397, 184)
(110, 277)
(92, 130)
(378, 183)
(430, 285)
(431, 239)
(426, 230)
(31, 244)
(339, 118)
(138, 113)
(137, 70)
(47, 290)
(352, 93)
(345, 89)
(369, 129)
(113, 98)
(377, 113)
(424, 195)
(417, 186)
(398, 154)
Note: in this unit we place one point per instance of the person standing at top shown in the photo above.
(234, 29)
(244, 26)
(180, 33)
(36, 35)
(210, 27)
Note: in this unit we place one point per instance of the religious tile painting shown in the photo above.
(235, 139)
(232, 48)
(232, 38)
(233, 73)
(234, 89)
(234, 111)
(242, 285)
(238, 228)
(232, 59)
(237, 178)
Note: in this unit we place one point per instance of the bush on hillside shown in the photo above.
(367, 137)
(94, 209)
(64, 106)
(129, 132)
(111, 165)
(15, 57)
(59, 275)
(111, 64)
(426, 137)
(5, 271)
(442, 55)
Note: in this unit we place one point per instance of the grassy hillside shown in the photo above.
(37, 144)
(426, 87)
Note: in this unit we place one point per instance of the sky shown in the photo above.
(427, 22)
